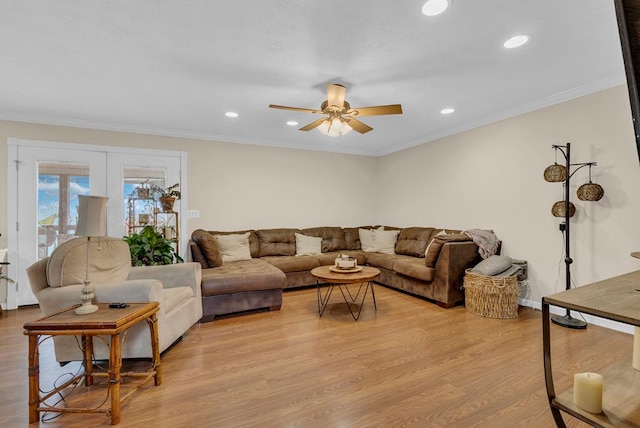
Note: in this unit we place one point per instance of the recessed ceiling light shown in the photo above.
(516, 41)
(292, 123)
(435, 7)
(231, 114)
(448, 110)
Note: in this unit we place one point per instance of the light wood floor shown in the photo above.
(408, 364)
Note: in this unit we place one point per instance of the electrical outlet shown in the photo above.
(563, 227)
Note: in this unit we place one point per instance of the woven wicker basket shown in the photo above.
(492, 297)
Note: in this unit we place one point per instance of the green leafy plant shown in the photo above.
(171, 191)
(150, 248)
(5, 277)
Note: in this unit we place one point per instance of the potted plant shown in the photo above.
(167, 196)
(150, 248)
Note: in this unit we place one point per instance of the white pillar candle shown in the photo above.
(587, 391)
(636, 349)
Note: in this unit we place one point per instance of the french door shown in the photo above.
(44, 182)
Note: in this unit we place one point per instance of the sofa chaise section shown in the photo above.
(241, 286)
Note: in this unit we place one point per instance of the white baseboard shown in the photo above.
(590, 319)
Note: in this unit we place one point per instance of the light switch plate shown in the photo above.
(193, 213)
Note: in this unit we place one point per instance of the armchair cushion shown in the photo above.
(109, 260)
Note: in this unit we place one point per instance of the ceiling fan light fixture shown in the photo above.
(334, 127)
(292, 123)
(435, 7)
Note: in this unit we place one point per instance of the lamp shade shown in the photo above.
(590, 192)
(91, 216)
(556, 173)
(558, 209)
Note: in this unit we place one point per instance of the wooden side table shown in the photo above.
(364, 277)
(105, 322)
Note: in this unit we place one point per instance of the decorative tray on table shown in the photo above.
(345, 270)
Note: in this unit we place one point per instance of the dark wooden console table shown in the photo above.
(616, 299)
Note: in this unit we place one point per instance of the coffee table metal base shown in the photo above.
(348, 296)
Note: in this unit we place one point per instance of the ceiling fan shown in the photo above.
(340, 117)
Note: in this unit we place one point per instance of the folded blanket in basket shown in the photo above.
(487, 241)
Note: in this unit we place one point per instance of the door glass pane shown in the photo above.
(59, 184)
(140, 206)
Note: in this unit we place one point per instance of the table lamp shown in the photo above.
(91, 224)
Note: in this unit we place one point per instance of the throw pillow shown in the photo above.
(433, 252)
(493, 265)
(366, 239)
(384, 241)
(211, 252)
(208, 246)
(234, 247)
(308, 245)
(427, 253)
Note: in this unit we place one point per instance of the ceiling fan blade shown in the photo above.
(335, 95)
(304, 110)
(313, 124)
(358, 126)
(376, 110)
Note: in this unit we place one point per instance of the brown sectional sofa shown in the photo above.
(258, 283)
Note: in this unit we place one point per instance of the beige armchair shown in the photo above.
(56, 282)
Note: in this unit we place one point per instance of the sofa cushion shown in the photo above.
(197, 255)
(176, 296)
(414, 268)
(431, 257)
(277, 242)
(208, 246)
(308, 245)
(109, 261)
(385, 261)
(293, 263)
(243, 275)
(234, 247)
(366, 239)
(332, 237)
(384, 241)
(413, 241)
(352, 237)
(254, 244)
(378, 240)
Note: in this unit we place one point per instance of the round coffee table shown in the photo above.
(328, 275)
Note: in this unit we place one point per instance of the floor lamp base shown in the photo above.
(568, 321)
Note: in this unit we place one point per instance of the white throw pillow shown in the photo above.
(234, 247)
(308, 245)
(442, 232)
(384, 241)
(366, 239)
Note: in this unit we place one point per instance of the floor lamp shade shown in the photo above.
(91, 216)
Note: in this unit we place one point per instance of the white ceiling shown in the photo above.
(175, 67)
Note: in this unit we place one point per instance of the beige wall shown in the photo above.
(491, 178)
(237, 186)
